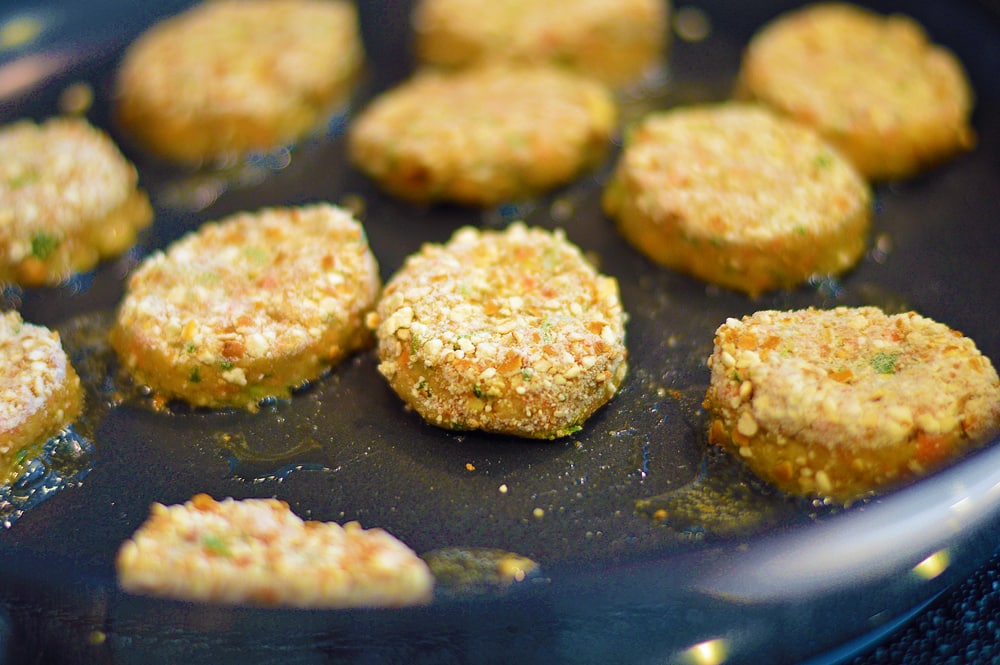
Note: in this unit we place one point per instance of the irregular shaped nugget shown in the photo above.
(485, 135)
(40, 393)
(231, 77)
(509, 331)
(845, 402)
(68, 198)
(738, 196)
(872, 85)
(257, 551)
(615, 41)
(248, 307)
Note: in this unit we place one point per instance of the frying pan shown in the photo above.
(736, 573)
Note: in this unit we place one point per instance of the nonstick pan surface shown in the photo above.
(736, 569)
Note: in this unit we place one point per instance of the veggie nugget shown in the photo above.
(231, 77)
(483, 136)
(68, 198)
(511, 332)
(615, 41)
(736, 195)
(873, 85)
(257, 551)
(845, 402)
(248, 307)
(40, 393)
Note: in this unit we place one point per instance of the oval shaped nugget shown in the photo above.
(248, 307)
(231, 77)
(845, 402)
(511, 332)
(68, 198)
(738, 196)
(40, 392)
(257, 551)
(873, 85)
(485, 135)
(615, 41)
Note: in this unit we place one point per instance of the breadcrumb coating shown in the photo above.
(257, 551)
(873, 85)
(738, 196)
(40, 392)
(68, 198)
(231, 77)
(485, 135)
(844, 402)
(248, 307)
(615, 41)
(508, 331)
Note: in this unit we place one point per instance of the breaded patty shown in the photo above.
(68, 198)
(873, 85)
(40, 393)
(248, 307)
(737, 196)
(257, 551)
(615, 41)
(485, 135)
(845, 402)
(231, 77)
(508, 331)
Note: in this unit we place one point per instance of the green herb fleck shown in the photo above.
(195, 375)
(527, 373)
(423, 387)
(478, 392)
(190, 347)
(255, 254)
(884, 363)
(21, 457)
(215, 544)
(801, 230)
(43, 245)
(226, 364)
(823, 160)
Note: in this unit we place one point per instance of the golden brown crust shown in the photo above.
(485, 135)
(615, 41)
(68, 198)
(738, 196)
(257, 551)
(40, 393)
(873, 85)
(844, 402)
(231, 77)
(248, 307)
(510, 332)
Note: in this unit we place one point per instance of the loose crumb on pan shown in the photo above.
(508, 331)
(68, 199)
(40, 392)
(258, 552)
(845, 402)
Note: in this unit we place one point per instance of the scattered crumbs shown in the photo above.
(469, 466)
(660, 515)
(661, 391)
(561, 210)
(692, 24)
(96, 638)
(76, 99)
(672, 341)
(538, 513)
(503, 489)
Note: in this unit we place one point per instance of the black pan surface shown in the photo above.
(736, 573)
